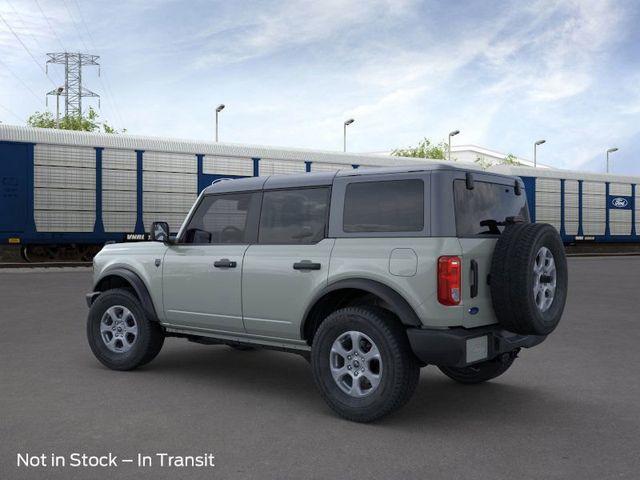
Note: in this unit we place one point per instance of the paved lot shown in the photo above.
(568, 409)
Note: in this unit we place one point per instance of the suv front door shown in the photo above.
(202, 273)
(290, 262)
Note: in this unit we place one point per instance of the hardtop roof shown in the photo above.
(312, 179)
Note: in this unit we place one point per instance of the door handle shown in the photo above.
(474, 279)
(306, 265)
(224, 263)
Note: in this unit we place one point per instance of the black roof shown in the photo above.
(324, 178)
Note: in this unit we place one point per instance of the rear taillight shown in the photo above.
(449, 280)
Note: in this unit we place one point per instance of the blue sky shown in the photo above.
(290, 72)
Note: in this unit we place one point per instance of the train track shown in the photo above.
(43, 264)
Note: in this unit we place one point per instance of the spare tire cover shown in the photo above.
(529, 278)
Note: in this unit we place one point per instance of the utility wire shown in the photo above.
(84, 23)
(24, 25)
(106, 84)
(35, 95)
(50, 26)
(11, 112)
(75, 25)
(27, 49)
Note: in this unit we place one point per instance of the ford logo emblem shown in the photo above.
(619, 202)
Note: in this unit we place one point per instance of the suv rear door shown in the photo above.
(290, 262)
(478, 211)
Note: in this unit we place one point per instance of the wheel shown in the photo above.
(480, 372)
(120, 334)
(362, 363)
(529, 279)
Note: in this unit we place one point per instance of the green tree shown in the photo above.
(425, 149)
(85, 123)
(483, 162)
(510, 159)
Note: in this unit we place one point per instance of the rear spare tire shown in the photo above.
(529, 278)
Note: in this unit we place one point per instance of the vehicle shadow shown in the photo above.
(438, 401)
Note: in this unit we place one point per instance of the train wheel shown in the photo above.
(58, 253)
(41, 253)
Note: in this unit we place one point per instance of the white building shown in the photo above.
(485, 156)
(482, 156)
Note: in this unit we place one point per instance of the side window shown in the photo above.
(294, 216)
(387, 206)
(225, 218)
(483, 210)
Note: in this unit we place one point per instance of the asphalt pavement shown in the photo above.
(568, 409)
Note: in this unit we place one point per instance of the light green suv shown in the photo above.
(370, 274)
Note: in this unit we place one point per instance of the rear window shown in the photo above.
(479, 211)
(387, 206)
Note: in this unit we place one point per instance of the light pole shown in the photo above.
(219, 108)
(344, 134)
(611, 150)
(59, 90)
(451, 134)
(535, 152)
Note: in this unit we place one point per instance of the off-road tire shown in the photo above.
(512, 279)
(149, 340)
(400, 372)
(480, 372)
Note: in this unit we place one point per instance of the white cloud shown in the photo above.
(292, 71)
(287, 24)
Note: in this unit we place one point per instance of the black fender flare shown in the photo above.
(396, 302)
(138, 285)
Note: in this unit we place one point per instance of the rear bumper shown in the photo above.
(459, 347)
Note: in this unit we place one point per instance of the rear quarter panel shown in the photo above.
(369, 258)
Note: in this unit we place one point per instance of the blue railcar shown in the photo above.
(584, 207)
(65, 193)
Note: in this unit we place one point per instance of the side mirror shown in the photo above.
(160, 232)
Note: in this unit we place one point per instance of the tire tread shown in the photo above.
(402, 356)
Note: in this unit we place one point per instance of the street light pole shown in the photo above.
(451, 134)
(59, 90)
(611, 150)
(535, 152)
(219, 108)
(344, 133)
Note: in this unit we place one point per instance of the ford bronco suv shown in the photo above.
(370, 274)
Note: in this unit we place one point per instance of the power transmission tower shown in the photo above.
(73, 91)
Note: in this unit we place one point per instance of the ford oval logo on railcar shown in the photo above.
(619, 202)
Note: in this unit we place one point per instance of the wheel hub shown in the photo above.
(118, 329)
(356, 364)
(544, 279)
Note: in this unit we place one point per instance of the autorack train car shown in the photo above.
(64, 194)
(583, 207)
